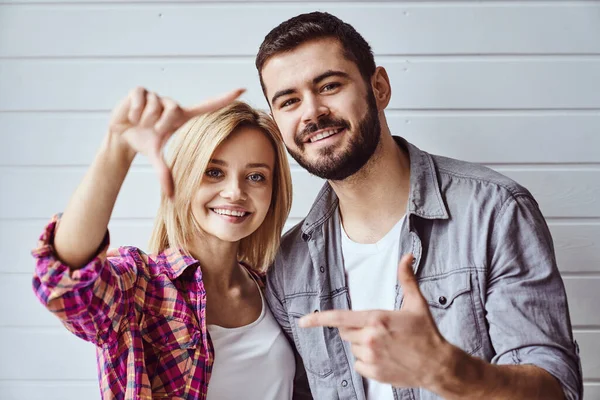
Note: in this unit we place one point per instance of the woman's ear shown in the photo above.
(382, 90)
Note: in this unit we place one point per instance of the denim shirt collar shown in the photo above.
(424, 200)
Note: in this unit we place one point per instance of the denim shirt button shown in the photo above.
(316, 311)
(344, 383)
(442, 300)
(322, 269)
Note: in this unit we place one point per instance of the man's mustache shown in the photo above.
(323, 123)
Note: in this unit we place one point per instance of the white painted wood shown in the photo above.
(577, 246)
(19, 237)
(21, 308)
(73, 138)
(417, 82)
(57, 354)
(583, 294)
(53, 390)
(591, 391)
(560, 192)
(52, 354)
(512, 84)
(589, 347)
(164, 29)
(139, 196)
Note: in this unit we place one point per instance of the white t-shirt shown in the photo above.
(254, 361)
(372, 273)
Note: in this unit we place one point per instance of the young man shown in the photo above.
(476, 308)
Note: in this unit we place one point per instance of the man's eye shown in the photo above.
(214, 173)
(256, 177)
(288, 103)
(330, 86)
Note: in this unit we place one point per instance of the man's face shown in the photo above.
(324, 109)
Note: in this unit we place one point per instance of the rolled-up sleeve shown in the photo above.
(91, 301)
(526, 303)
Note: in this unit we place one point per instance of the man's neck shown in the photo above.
(375, 198)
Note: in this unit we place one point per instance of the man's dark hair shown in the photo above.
(316, 25)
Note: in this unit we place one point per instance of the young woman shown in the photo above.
(188, 320)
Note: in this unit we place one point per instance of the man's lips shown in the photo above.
(322, 134)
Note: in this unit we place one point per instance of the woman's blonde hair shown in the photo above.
(189, 155)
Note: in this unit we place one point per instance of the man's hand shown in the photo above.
(403, 348)
(144, 121)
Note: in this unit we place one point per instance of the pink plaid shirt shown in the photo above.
(146, 314)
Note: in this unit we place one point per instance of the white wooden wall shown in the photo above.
(513, 84)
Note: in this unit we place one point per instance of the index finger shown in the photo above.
(335, 318)
(212, 104)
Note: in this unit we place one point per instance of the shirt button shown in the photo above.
(322, 269)
(442, 300)
(316, 311)
(344, 383)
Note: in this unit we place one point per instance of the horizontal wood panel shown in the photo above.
(151, 29)
(20, 307)
(561, 193)
(589, 349)
(73, 138)
(52, 354)
(577, 244)
(583, 295)
(55, 390)
(591, 391)
(417, 83)
(56, 354)
(19, 237)
(40, 192)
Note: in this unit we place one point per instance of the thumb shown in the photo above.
(164, 174)
(408, 283)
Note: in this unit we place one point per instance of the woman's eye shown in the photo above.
(214, 173)
(256, 177)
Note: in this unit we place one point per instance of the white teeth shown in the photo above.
(222, 211)
(322, 135)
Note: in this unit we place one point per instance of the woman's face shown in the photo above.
(235, 192)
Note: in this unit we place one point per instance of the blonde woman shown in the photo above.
(188, 320)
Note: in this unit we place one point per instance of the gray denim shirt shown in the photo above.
(484, 260)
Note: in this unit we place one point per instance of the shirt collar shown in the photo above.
(175, 261)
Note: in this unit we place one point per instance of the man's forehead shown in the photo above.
(303, 63)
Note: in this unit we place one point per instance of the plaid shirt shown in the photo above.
(146, 314)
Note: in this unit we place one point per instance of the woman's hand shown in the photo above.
(143, 122)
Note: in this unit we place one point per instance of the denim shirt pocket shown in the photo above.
(453, 306)
(310, 342)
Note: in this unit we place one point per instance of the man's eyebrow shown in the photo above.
(284, 92)
(329, 73)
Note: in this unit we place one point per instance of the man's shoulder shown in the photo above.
(456, 173)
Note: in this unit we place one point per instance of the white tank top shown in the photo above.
(254, 361)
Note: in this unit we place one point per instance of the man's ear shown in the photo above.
(382, 90)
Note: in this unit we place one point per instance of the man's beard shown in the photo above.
(337, 167)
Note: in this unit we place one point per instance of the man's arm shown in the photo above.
(467, 377)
